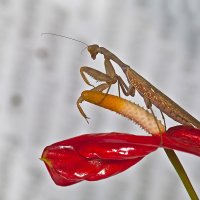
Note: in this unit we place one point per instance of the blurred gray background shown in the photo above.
(40, 83)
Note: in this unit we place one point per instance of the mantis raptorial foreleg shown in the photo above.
(150, 93)
(110, 77)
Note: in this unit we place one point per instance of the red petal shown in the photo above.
(183, 138)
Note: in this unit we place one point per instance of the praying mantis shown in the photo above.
(150, 93)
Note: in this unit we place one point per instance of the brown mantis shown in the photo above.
(150, 93)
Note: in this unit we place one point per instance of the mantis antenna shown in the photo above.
(65, 37)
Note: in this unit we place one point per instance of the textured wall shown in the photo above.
(40, 83)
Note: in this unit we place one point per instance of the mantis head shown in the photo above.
(93, 50)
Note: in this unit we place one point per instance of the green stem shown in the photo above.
(182, 174)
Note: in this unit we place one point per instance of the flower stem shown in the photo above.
(182, 174)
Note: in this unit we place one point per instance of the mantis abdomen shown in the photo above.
(160, 100)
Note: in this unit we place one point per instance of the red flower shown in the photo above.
(94, 157)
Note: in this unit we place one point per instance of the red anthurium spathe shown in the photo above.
(183, 138)
(94, 157)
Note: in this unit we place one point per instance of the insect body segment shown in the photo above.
(150, 93)
(160, 100)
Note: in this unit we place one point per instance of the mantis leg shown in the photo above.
(163, 117)
(121, 84)
(149, 106)
(95, 74)
(125, 89)
(99, 88)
